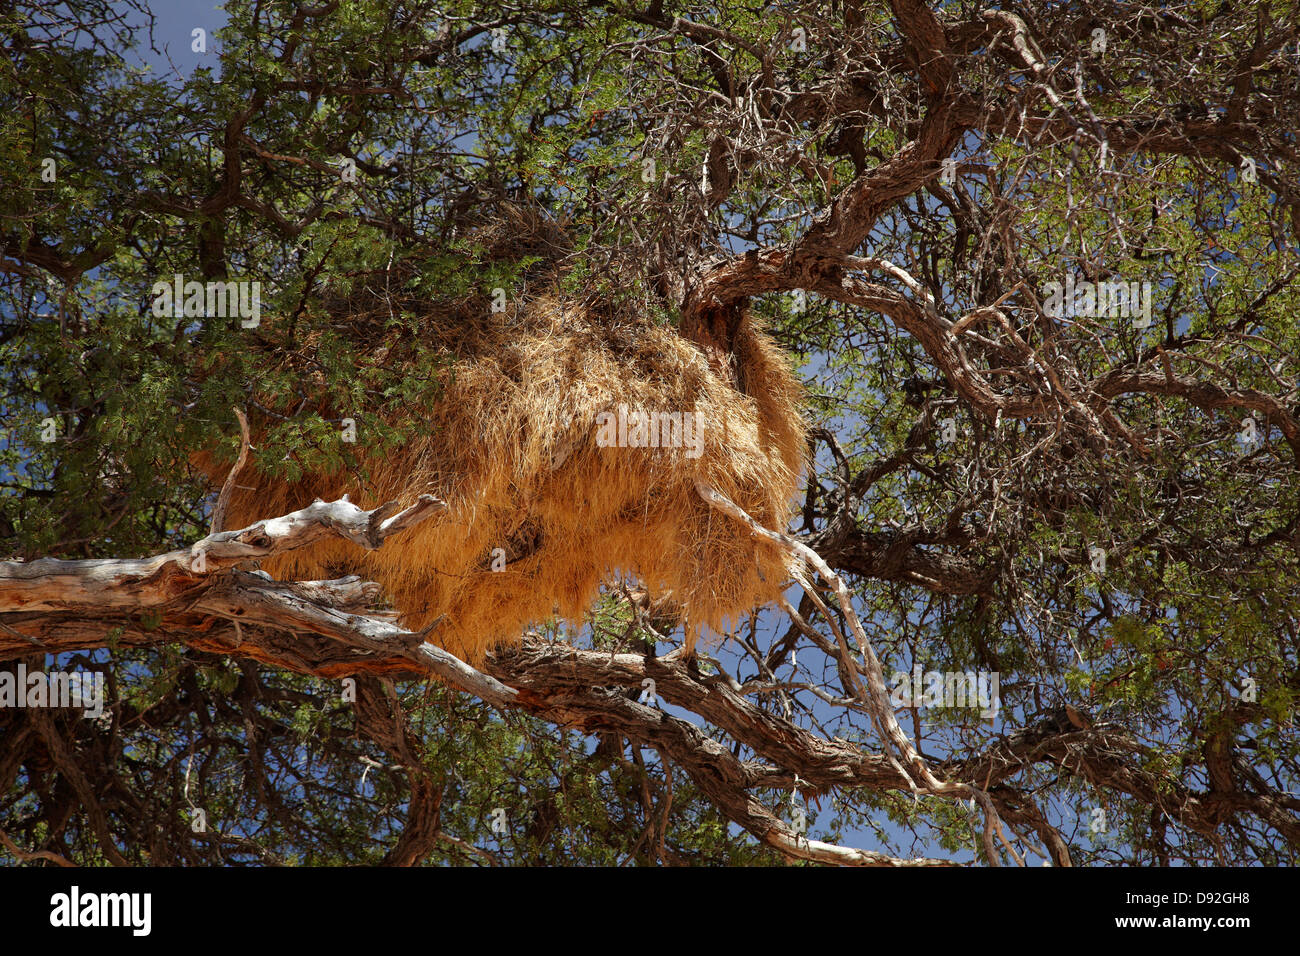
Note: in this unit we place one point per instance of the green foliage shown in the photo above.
(236, 172)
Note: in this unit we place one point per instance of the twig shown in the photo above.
(22, 856)
(876, 696)
(228, 489)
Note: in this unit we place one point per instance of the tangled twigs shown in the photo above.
(876, 696)
(570, 686)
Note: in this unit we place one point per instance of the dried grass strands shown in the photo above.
(512, 448)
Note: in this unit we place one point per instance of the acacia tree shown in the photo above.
(1040, 268)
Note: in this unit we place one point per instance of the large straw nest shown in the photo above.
(512, 447)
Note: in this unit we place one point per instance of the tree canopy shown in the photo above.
(1036, 264)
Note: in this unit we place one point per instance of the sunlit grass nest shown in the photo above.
(512, 447)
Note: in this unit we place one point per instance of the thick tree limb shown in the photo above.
(56, 599)
(54, 585)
